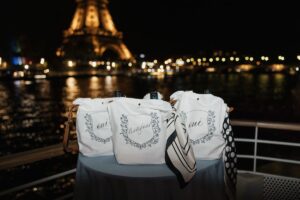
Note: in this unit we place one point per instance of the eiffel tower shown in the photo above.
(92, 34)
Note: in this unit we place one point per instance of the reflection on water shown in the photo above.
(95, 84)
(71, 88)
(32, 113)
(110, 83)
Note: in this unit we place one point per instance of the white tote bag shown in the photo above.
(139, 130)
(203, 116)
(93, 127)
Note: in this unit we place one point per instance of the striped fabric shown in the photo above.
(179, 153)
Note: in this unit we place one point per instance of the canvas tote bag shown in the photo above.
(93, 126)
(203, 116)
(139, 130)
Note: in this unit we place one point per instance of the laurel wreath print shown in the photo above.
(155, 128)
(211, 127)
(90, 129)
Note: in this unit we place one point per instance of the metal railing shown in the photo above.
(18, 159)
(31, 156)
(33, 183)
(256, 141)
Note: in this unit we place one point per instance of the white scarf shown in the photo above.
(179, 153)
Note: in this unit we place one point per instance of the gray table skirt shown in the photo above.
(102, 178)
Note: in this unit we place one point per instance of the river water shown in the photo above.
(32, 112)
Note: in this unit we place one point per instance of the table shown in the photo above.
(102, 178)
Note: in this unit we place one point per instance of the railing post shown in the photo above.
(255, 147)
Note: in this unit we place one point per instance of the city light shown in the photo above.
(277, 67)
(150, 64)
(4, 64)
(143, 65)
(173, 65)
(210, 69)
(18, 74)
(42, 61)
(265, 58)
(39, 76)
(160, 70)
(71, 63)
(179, 62)
(93, 63)
(244, 68)
(281, 58)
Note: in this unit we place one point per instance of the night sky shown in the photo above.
(162, 27)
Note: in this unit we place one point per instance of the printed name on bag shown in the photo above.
(200, 125)
(96, 130)
(102, 125)
(140, 131)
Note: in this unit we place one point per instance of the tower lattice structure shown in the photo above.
(92, 33)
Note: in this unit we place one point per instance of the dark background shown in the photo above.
(162, 27)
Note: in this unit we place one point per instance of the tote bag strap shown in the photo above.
(68, 125)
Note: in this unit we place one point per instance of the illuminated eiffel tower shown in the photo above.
(92, 35)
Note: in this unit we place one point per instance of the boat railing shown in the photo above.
(256, 140)
(18, 159)
(273, 186)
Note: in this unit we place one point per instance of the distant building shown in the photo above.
(92, 35)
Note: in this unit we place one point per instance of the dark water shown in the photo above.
(32, 113)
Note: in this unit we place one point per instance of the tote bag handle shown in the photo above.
(68, 125)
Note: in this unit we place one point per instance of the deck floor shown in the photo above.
(250, 187)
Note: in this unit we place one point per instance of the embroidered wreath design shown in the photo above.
(89, 128)
(211, 127)
(155, 128)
